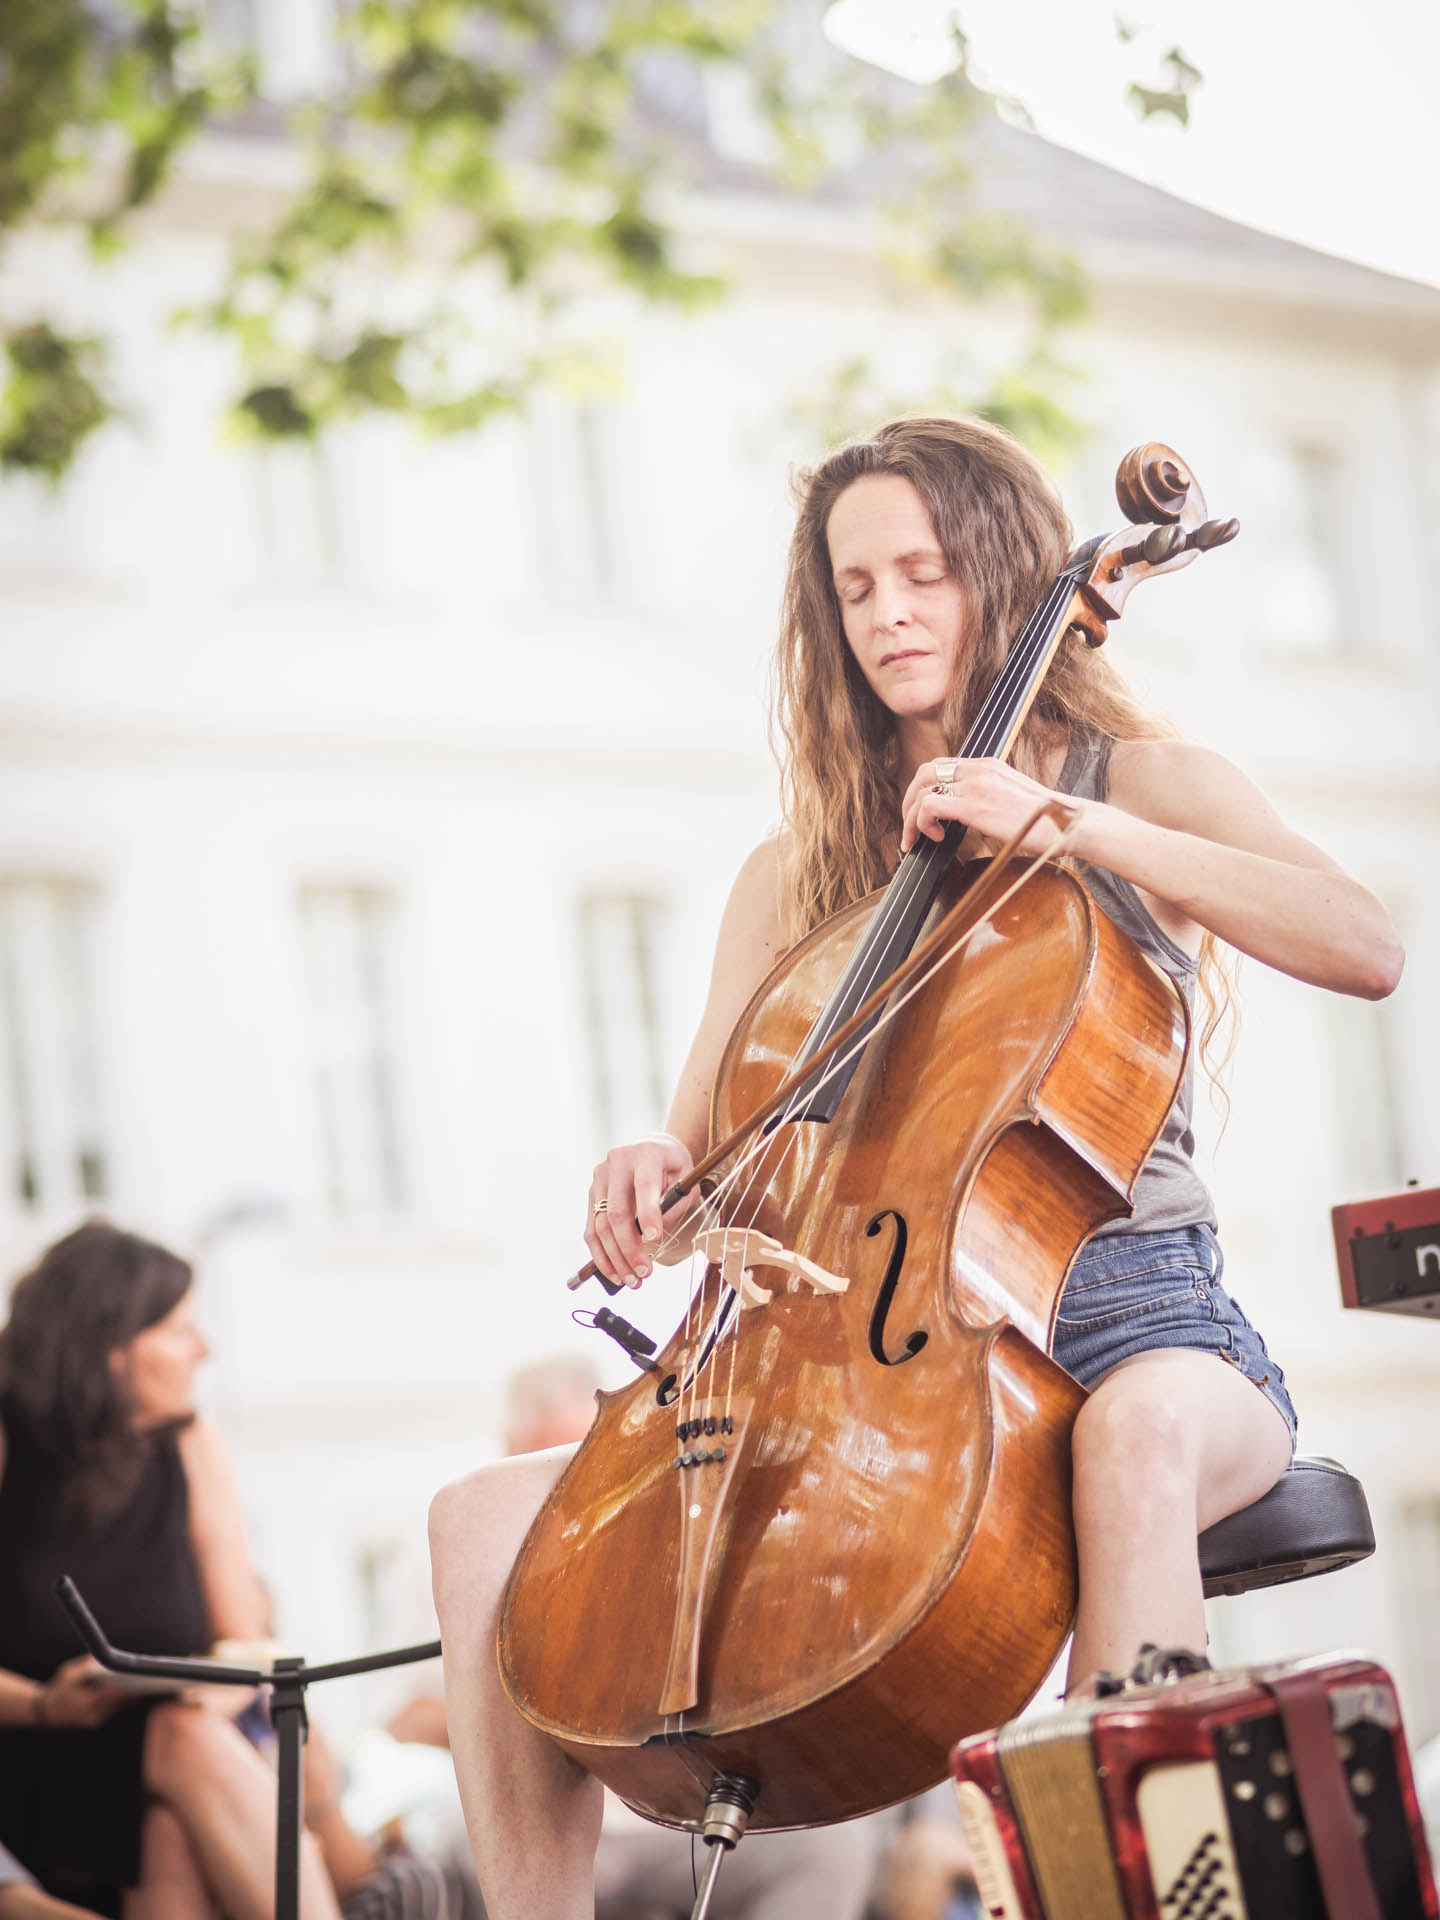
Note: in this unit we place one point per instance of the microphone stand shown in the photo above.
(287, 1682)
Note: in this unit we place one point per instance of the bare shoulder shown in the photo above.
(202, 1451)
(749, 944)
(1163, 780)
(1193, 789)
(753, 912)
(760, 872)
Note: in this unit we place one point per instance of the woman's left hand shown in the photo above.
(987, 795)
(79, 1694)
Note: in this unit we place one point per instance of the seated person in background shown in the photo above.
(21, 1899)
(642, 1869)
(927, 1873)
(159, 1807)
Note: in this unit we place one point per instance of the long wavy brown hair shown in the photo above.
(89, 1295)
(1000, 524)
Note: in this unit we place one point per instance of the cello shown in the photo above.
(827, 1531)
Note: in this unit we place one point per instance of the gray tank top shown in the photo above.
(1169, 1192)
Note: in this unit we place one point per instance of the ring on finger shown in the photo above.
(600, 1206)
(944, 774)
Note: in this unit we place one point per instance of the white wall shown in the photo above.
(204, 711)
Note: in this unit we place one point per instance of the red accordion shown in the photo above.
(1263, 1793)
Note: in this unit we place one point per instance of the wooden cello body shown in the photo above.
(887, 1554)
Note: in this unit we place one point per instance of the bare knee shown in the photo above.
(165, 1850)
(185, 1743)
(477, 1525)
(1130, 1432)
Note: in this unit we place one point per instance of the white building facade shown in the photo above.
(366, 816)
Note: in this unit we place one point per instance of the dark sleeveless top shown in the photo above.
(136, 1568)
(1169, 1192)
(72, 1799)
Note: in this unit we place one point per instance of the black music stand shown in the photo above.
(287, 1682)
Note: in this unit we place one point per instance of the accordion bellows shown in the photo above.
(1266, 1793)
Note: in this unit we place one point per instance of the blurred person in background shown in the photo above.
(151, 1808)
(21, 1899)
(645, 1872)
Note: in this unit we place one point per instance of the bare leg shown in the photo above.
(1168, 1443)
(171, 1887)
(21, 1901)
(533, 1816)
(928, 1859)
(223, 1795)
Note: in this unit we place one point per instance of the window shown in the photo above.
(41, 530)
(1366, 1105)
(576, 547)
(347, 934)
(619, 942)
(50, 1126)
(233, 23)
(299, 545)
(293, 42)
(1302, 600)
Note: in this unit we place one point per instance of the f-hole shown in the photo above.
(670, 1388)
(886, 1294)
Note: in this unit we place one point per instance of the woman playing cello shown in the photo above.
(917, 554)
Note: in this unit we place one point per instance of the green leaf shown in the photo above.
(52, 401)
(525, 151)
(276, 413)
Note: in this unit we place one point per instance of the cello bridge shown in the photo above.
(737, 1251)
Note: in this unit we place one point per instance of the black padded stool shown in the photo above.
(1313, 1520)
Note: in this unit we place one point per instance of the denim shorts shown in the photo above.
(1129, 1292)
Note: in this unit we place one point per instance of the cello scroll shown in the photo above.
(1161, 498)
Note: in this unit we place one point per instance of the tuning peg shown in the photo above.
(1162, 544)
(1158, 546)
(1213, 533)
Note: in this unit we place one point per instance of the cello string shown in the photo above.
(734, 1345)
(1018, 665)
(746, 1159)
(895, 1007)
(995, 718)
(754, 1152)
(987, 734)
(1021, 663)
(886, 1015)
(912, 874)
(709, 1205)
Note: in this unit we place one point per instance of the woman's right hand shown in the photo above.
(77, 1695)
(625, 1224)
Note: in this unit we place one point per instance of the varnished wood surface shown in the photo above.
(893, 1565)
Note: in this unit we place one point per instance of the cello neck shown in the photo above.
(1013, 690)
(907, 900)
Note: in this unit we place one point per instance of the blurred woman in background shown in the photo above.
(151, 1808)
